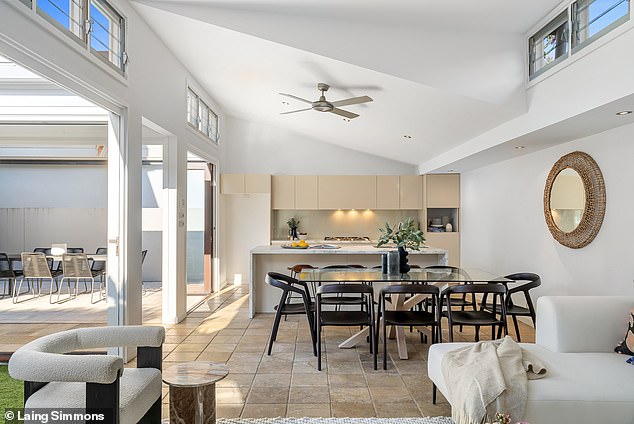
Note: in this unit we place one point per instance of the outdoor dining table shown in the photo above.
(440, 277)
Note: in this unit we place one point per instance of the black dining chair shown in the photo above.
(512, 308)
(290, 285)
(364, 317)
(98, 270)
(477, 318)
(295, 270)
(461, 302)
(411, 318)
(339, 299)
(7, 276)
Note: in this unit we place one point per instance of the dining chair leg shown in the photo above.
(276, 326)
(433, 393)
(318, 344)
(517, 328)
(477, 333)
(493, 332)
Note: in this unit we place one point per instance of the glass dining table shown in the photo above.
(442, 277)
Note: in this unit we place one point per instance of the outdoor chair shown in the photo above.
(76, 268)
(35, 269)
(98, 270)
(7, 276)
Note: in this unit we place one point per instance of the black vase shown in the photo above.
(403, 265)
(294, 233)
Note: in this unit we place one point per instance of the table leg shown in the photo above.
(355, 339)
(195, 405)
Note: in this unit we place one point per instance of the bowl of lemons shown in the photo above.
(301, 244)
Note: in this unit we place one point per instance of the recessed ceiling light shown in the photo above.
(346, 119)
(285, 103)
(624, 112)
(407, 137)
(520, 147)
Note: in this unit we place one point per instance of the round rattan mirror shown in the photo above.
(574, 200)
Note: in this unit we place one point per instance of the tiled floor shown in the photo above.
(287, 382)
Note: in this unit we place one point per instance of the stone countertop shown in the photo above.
(348, 249)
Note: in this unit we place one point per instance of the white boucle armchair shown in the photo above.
(90, 382)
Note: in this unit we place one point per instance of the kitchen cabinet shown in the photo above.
(283, 191)
(387, 192)
(347, 192)
(443, 190)
(448, 241)
(306, 192)
(232, 183)
(245, 183)
(410, 192)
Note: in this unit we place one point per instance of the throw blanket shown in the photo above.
(489, 377)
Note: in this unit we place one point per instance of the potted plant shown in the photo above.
(405, 235)
(292, 223)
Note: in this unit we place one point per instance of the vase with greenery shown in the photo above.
(293, 224)
(405, 235)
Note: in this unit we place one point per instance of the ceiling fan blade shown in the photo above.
(352, 101)
(296, 98)
(294, 111)
(344, 113)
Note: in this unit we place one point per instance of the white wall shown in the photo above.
(503, 226)
(251, 147)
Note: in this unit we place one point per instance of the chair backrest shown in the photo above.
(143, 255)
(6, 271)
(75, 265)
(101, 251)
(495, 288)
(447, 267)
(35, 265)
(75, 250)
(287, 283)
(410, 289)
(533, 281)
(300, 267)
(344, 288)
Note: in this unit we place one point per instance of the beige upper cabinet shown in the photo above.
(257, 183)
(306, 192)
(411, 192)
(387, 192)
(232, 183)
(443, 190)
(283, 191)
(347, 192)
(245, 183)
(448, 241)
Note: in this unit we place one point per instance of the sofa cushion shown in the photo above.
(140, 388)
(627, 345)
(580, 387)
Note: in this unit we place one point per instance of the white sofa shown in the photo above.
(575, 337)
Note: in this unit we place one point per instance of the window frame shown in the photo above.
(84, 40)
(553, 24)
(122, 34)
(574, 27)
(197, 126)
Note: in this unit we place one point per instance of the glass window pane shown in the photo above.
(593, 18)
(204, 118)
(549, 44)
(192, 108)
(106, 33)
(213, 125)
(67, 14)
(29, 3)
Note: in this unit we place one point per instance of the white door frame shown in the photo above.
(117, 163)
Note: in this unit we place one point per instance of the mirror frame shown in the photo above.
(594, 211)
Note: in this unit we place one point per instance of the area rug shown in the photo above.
(428, 420)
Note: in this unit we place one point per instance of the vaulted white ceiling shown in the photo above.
(441, 72)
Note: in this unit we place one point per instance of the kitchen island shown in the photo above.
(278, 259)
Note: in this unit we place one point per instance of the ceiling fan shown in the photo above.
(322, 105)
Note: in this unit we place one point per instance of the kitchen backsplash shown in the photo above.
(319, 224)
